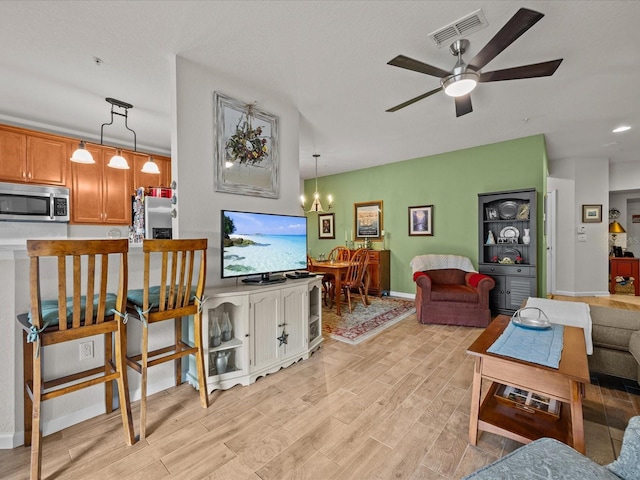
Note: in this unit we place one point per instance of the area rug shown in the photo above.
(363, 323)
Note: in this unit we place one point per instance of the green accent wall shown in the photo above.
(451, 183)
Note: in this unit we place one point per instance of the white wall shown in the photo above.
(582, 266)
(193, 140)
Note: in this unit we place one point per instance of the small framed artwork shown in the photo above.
(326, 226)
(368, 220)
(421, 220)
(635, 218)
(591, 213)
(491, 213)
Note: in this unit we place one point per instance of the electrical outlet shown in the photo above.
(86, 350)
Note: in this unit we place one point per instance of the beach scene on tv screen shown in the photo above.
(257, 243)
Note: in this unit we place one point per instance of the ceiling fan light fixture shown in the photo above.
(460, 84)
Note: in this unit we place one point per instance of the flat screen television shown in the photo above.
(258, 245)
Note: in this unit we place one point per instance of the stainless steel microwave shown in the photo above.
(33, 203)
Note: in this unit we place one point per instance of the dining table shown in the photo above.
(338, 268)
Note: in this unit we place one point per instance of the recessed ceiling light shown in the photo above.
(622, 128)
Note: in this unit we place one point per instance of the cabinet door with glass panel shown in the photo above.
(225, 340)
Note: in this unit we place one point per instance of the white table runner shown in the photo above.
(575, 314)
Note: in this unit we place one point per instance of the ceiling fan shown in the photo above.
(464, 77)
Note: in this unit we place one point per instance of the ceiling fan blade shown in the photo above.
(544, 69)
(463, 105)
(522, 21)
(420, 67)
(414, 100)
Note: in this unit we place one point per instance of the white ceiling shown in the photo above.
(330, 59)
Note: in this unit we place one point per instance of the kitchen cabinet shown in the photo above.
(273, 326)
(33, 158)
(100, 194)
(146, 180)
(507, 235)
(379, 272)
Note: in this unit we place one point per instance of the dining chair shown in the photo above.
(174, 282)
(356, 277)
(84, 272)
(337, 254)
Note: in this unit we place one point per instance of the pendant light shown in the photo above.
(82, 155)
(316, 206)
(118, 161)
(150, 167)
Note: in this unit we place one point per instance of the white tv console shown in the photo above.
(273, 326)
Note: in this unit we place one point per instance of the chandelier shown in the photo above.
(316, 206)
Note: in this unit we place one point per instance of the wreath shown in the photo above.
(246, 146)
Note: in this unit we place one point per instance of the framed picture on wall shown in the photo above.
(368, 220)
(591, 213)
(421, 220)
(246, 148)
(326, 226)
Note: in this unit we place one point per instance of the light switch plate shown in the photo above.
(582, 237)
(582, 229)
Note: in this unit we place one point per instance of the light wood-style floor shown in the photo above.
(395, 406)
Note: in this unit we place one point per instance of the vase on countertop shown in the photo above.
(526, 238)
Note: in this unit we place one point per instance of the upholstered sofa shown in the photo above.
(616, 342)
(450, 291)
(547, 458)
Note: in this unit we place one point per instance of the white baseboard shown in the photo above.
(411, 296)
(582, 294)
(9, 441)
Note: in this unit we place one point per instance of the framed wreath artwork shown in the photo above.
(246, 148)
(326, 226)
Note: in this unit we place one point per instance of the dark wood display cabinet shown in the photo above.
(507, 234)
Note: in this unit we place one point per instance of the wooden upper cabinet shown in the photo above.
(100, 194)
(13, 156)
(147, 180)
(164, 164)
(32, 158)
(86, 189)
(115, 190)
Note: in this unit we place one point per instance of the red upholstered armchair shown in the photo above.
(451, 296)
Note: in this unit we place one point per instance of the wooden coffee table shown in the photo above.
(565, 384)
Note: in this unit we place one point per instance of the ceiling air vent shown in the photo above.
(473, 22)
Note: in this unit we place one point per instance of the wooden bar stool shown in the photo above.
(174, 280)
(83, 308)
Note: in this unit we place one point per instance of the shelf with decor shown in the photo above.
(507, 246)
